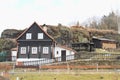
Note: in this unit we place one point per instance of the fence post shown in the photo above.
(17, 78)
(97, 67)
(13, 66)
(68, 67)
(39, 66)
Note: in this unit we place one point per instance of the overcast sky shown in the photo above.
(20, 14)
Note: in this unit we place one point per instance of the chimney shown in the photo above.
(45, 27)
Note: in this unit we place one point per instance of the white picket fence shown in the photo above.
(43, 61)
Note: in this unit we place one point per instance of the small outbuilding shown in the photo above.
(104, 43)
(63, 53)
(13, 54)
(84, 46)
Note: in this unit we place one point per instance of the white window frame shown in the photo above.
(45, 50)
(40, 35)
(28, 35)
(34, 50)
(23, 50)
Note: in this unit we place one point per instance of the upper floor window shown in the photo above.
(23, 50)
(28, 35)
(34, 50)
(40, 35)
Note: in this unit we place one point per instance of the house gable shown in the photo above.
(35, 30)
(34, 42)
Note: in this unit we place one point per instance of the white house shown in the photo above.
(36, 45)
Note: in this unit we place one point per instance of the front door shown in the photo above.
(63, 55)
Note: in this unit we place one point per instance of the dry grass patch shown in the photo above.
(64, 76)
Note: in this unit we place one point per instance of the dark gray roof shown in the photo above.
(104, 39)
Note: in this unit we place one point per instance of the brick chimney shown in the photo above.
(45, 27)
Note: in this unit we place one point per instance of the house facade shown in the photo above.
(35, 43)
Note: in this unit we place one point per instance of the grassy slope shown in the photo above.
(53, 76)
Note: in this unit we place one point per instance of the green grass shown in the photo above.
(101, 51)
(63, 76)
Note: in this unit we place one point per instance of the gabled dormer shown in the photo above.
(35, 33)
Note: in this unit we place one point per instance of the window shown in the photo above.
(57, 52)
(40, 35)
(45, 50)
(34, 50)
(23, 50)
(28, 36)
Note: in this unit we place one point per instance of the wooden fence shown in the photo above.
(79, 61)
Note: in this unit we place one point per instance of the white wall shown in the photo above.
(59, 49)
(14, 55)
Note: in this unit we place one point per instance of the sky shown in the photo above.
(20, 14)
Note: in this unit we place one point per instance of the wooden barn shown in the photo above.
(36, 44)
(104, 43)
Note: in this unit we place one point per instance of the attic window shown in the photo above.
(28, 35)
(40, 35)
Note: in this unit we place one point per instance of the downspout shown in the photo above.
(28, 52)
(17, 54)
(17, 50)
(53, 50)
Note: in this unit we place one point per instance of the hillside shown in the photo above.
(67, 35)
(11, 33)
